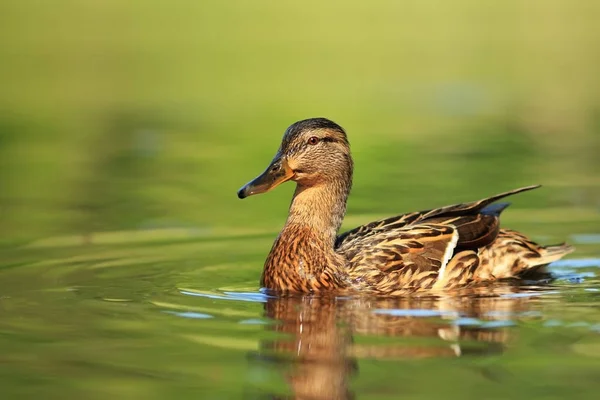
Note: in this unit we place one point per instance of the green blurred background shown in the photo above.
(125, 115)
(130, 124)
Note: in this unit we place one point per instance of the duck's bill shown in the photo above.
(277, 173)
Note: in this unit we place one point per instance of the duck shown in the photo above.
(441, 249)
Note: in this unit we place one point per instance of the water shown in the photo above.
(173, 316)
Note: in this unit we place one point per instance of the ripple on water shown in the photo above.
(189, 314)
(254, 297)
(575, 271)
(576, 263)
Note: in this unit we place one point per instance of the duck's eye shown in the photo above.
(313, 140)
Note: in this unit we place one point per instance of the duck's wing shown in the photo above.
(423, 247)
(434, 247)
(402, 259)
(472, 219)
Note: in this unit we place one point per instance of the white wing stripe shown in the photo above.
(447, 255)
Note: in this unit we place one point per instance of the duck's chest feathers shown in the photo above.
(301, 261)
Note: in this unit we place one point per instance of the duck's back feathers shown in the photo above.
(422, 247)
(475, 208)
(457, 244)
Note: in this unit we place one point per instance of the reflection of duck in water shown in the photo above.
(443, 248)
(318, 340)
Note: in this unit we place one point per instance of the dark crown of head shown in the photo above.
(314, 124)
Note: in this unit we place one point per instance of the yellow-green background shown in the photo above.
(126, 114)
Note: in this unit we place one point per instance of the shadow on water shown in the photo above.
(319, 333)
(320, 339)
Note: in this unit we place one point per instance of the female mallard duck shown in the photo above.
(444, 248)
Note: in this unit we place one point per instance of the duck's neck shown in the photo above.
(303, 257)
(320, 208)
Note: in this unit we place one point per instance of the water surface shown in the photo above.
(169, 315)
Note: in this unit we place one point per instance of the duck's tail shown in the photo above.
(512, 255)
(549, 254)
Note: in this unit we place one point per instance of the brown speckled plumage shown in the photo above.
(438, 249)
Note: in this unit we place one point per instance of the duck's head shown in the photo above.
(313, 151)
